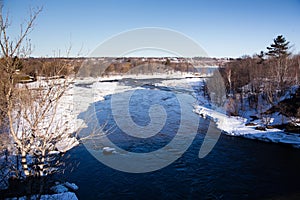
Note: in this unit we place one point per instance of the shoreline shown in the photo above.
(236, 126)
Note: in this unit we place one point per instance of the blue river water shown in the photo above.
(236, 168)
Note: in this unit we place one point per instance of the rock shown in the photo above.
(71, 186)
(293, 128)
(254, 117)
(59, 189)
(250, 124)
(260, 128)
(108, 150)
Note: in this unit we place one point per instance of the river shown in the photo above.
(236, 168)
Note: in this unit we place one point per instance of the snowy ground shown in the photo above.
(236, 126)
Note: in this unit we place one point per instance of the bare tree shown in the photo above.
(279, 51)
(38, 127)
(217, 89)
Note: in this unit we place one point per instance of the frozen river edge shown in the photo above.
(236, 126)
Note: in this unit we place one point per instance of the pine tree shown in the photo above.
(279, 48)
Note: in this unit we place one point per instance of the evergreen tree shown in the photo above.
(261, 56)
(279, 48)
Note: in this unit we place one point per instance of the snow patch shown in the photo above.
(236, 126)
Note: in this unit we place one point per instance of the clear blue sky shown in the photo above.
(222, 28)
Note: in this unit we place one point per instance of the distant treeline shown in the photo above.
(96, 67)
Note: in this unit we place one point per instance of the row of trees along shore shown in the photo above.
(263, 77)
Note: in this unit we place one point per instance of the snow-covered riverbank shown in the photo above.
(236, 126)
(240, 126)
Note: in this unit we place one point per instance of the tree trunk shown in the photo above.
(24, 163)
(42, 163)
